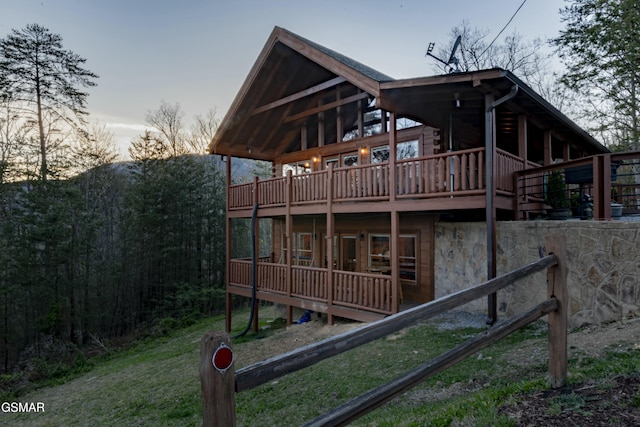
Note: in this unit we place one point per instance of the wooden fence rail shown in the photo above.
(275, 367)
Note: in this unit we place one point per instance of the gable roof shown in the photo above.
(285, 85)
(288, 69)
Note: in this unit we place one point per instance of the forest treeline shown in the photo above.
(121, 249)
(93, 249)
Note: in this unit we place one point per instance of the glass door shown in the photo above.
(348, 252)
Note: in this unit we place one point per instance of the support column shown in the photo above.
(256, 253)
(392, 157)
(329, 237)
(490, 209)
(229, 230)
(523, 150)
(394, 260)
(523, 143)
(288, 236)
(546, 143)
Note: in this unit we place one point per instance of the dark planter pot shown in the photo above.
(559, 213)
(616, 210)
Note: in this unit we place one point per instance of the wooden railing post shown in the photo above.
(557, 288)
(217, 379)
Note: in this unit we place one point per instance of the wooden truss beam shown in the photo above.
(294, 97)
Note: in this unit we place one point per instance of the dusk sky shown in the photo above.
(198, 52)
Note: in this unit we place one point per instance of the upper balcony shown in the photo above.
(454, 180)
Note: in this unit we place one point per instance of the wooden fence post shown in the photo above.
(557, 288)
(217, 379)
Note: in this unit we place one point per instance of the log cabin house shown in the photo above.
(364, 165)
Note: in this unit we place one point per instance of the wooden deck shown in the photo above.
(454, 180)
(358, 296)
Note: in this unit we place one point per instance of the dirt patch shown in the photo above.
(291, 338)
(612, 403)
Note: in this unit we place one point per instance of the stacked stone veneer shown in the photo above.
(603, 265)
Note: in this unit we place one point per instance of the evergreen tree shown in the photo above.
(600, 48)
(46, 81)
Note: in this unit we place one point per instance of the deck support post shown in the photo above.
(557, 288)
(602, 190)
(256, 252)
(393, 138)
(288, 236)
(394, 263)
(228, 249)
(490, 210)
(329, 242)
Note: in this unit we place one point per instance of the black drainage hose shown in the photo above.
(254, 267)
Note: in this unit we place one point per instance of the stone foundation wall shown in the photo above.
(603, 265)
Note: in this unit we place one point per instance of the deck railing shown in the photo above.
(507, 165)
(456, 173)
(361, 182)
(220, 381)
(433, 176)
(362, 291)
(609, 180)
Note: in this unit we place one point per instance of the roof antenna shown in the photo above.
(453, 64)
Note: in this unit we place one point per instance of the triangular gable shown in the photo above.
(269, 87)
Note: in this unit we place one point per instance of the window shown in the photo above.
(379, 252)
(407, 249)
(334, 162)
(380, 154)
(297, 168)
(350, 160)
(405, 123)
(407, 150)
(372, 121)
(303, 249)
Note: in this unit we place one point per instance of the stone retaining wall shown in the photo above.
(603, 265)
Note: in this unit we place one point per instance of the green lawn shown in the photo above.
(156, 383)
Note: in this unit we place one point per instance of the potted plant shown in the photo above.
(556, 196)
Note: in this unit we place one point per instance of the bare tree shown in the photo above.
(202, 131)
(530, 60)
(168, 121)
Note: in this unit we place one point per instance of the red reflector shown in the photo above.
(222, 358)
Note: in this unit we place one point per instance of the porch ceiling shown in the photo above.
(431, 100)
